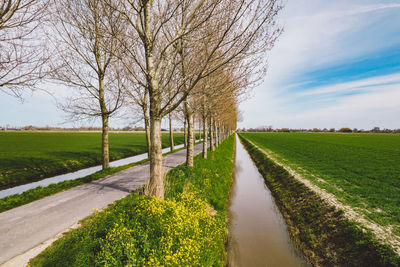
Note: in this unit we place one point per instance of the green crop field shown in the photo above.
(361, 170)
(31, 156)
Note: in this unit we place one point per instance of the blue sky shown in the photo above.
(337, 64)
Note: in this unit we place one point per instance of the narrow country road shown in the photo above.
(25, 228)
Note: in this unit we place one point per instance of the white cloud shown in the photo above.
(377, 105)
(378, 108)
(319, 34)
(363, 84)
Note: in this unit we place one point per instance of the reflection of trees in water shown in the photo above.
(238, 166)
(238, 169)
(233, 245)
(234, 258)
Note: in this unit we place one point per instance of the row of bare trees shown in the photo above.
(149, 57)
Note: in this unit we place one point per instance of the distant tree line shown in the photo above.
(318, 130)
(81, 128)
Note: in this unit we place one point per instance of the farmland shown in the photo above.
(361, 170)
(31, 156)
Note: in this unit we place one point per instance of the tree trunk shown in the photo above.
(146, 123)
(171, 132)
(215, 131)
(104, 122)
(204, 137)
(155, 186)
(200, 135)
(220, 133)
(212, 147)
(190, 145)
(148, 141)
(184, 133)
(217, 134)
(104, 144)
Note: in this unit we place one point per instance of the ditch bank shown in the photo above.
(323, 234)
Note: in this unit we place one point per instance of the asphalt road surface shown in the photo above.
(39, 223)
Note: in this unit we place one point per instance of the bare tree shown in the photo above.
(213, 90)
(163, 38)
(189, 114)
(236, 51)
(180, 117)
(151, 42)
(22, 56)
(136, 90)
(227, 117)
(84, 63)
(209, 97)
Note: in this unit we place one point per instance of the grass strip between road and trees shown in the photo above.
(188, 228)
(33, 194)
(322, 233)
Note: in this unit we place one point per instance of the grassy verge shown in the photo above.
(30, 195)
(323, 234)
(188, 228)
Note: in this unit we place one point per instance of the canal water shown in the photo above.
(257, 231)
(77, 174)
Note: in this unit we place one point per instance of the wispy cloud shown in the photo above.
(379, 107)
(364, 85)
(353, 10)
(337, 64)
(376, 106)
(323, 33)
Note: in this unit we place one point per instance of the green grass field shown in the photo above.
(361, 170)
(31, 156)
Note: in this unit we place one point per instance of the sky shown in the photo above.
(337, 64)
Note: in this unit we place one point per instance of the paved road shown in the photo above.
(28, 226)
